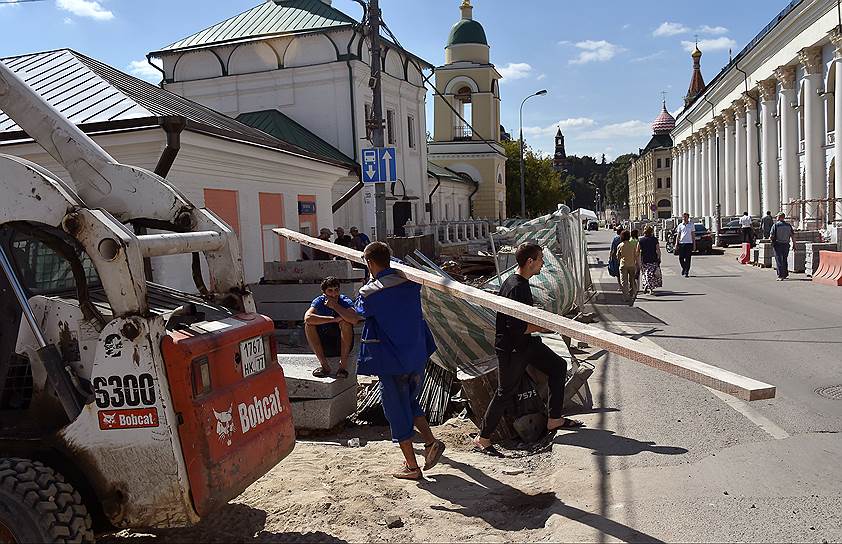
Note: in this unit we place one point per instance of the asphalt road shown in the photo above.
(664, 459)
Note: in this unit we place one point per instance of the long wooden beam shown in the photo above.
(696, 371)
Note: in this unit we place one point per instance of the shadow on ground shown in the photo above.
(233, 523)
(606, 443)
(510, 509)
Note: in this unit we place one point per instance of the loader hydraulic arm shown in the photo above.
(128, 193)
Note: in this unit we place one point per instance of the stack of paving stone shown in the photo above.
(765, 254)
(319, 403)
(811, 255)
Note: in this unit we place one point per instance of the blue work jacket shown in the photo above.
(395, 339)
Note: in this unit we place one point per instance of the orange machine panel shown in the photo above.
(235, 421)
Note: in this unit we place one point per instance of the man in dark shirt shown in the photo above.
(516, 348)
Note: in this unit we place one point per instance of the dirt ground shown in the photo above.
(326, 491)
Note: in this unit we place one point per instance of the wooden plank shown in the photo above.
(684, 367)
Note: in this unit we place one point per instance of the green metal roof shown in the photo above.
(440, 172)
(273, 17)
(283, 128)
(467, 31)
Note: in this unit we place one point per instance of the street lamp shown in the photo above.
(542, 92)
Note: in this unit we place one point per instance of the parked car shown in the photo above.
(732, 234)
(704, 239)
(593, 225)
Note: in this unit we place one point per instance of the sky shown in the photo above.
(604, 63)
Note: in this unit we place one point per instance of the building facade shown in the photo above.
(761, 136)
(466, 133)
(650, 175)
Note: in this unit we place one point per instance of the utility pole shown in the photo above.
(376, 124)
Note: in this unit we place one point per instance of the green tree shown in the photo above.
(617, 188)
(545, 188)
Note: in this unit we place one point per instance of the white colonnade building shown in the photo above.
(761, 135)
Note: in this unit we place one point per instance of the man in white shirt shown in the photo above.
(745, 225)
(685, 240)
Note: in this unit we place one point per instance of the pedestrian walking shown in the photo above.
(613, 260)
(629, 253)
(359, 239)
(685, 237)
(781, 236)
(766, 225)
(650, 262)
(516, 349)
(396, 344)
(745, 226)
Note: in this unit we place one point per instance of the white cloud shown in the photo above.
(142, 70)
(9, 3)
(670, 29)
(596, 51)
(541, 77)
(515, 70)
(85, 8)
(565, 42)
(715, 30)
(653, 56)
(712, 44)
(69, 21)
(626, 26)
(626, 129)
(565, 124)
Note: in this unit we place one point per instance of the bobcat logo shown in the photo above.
(108, 419)
(225, 425)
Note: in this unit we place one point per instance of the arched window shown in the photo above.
(462, 130)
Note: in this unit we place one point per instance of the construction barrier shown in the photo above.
(745, 254)
(830, 269)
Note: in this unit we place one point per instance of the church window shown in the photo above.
(410, 127)
(660, 182)
(658, 165)
(669, 183)
(667, 162)
(390, 126)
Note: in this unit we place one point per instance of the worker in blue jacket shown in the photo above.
(395, 346)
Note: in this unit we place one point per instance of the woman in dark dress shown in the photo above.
(650, 258)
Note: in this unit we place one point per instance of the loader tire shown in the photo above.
(37, 505)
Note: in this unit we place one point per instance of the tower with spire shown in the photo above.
(466, 129)
(697, 82)
(560, 156)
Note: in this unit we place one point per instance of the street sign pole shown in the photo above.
(377, 136)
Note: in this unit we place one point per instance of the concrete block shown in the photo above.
(301, 384)
(311, 270)
(323, 414)
(796, 260)
(765, 255)
(811, 255)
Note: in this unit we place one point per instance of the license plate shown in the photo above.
(253, 356)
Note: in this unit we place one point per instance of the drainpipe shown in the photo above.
(173, 126)
(356, 188)
(471, 196)
(153, 65)
(436, 188)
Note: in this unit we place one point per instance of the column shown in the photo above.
(702, 193)
(729, 190)
(752, 157)
(678, 207)
(790, 175)
(770, 181)
(814, 135)
(697, 179)
(712, 166)
(836, 40)
(719, 182)
(688, 177)
(740, 158)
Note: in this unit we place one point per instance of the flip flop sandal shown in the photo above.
(432, 454)
(569, 424)
(341, 374)
(321, 373)
(490, 451)
(407, 473)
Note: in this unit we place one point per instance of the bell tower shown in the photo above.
(466, 129)
(560, 156)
